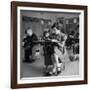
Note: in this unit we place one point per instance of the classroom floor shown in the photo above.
(37, 69)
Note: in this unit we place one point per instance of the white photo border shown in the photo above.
(53, 78)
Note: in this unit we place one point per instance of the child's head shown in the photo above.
(29, 31)
(47, 34)
(55, 30)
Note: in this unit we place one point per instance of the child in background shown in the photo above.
(28, 45)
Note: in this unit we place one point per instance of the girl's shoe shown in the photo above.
(58, 70)
(53, 73)
(48, 74)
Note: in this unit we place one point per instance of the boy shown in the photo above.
(28, 45)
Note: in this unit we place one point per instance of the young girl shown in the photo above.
(47, 52)
(58, 46)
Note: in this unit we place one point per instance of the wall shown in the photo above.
(47, 15)
(5, 44)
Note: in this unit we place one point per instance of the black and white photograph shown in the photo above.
(49, 44)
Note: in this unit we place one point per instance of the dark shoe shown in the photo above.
(58, 72)
(55, 73)
(48, 74)
(52, 73)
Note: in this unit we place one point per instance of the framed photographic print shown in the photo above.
(48, 44)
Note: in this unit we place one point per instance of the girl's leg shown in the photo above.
(59, 67)
(55, 63)
(57, 60)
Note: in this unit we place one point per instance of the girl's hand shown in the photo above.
(54, 40)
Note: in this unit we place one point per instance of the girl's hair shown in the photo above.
(27, 30)
(54, 25)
